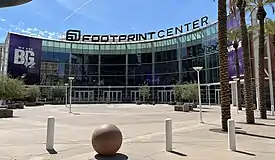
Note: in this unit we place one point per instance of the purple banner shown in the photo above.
(25, 58)
(232, 23)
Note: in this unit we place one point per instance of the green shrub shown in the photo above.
(32, 93)
(144, 92)
(58, 92)
(11, 89)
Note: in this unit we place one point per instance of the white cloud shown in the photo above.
(2, 19)
(19, 28)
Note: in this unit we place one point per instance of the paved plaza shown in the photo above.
(23, 137)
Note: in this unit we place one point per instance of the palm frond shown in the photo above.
(234, 34)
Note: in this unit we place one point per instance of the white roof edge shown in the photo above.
(133, 42)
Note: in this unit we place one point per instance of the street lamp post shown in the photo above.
(198, 69)
(71, 83)
(237, 95)
(66, 94)
(209, 98)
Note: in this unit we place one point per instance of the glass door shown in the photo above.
(134, 96)
(83, 96)
(217, 96)
(113, 96)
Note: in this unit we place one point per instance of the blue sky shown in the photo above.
(51, 18)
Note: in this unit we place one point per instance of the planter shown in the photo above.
(182, 108)
(178, 108)
(6, 113)
(139, 103)
(172, 103)
(20, 105)
(12, 106)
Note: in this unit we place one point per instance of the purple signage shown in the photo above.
(24, 58)
(234, 22)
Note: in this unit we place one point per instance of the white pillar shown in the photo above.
(199, 88)
(231, 135)
(70, 111)
(270, 80)
(66, 96)
(255, 42)
(168, 134)
(50, 133)
(233, 93)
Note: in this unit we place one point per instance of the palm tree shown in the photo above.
(261, 15)
(234, 37)
(270, 29)
(241, 5)
(222, 36)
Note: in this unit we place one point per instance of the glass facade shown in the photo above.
(116, 70)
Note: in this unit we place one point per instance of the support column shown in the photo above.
(256, 56)
(270, 80)
(153, 69)
(98, 78)
(179, 64)
(233, 93)
(126, 74)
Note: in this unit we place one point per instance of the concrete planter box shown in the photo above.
(20, 105)
(12, 106)
(182, 108)
(6, 113)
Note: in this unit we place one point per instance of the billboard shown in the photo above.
(25, 58)
(234, 22)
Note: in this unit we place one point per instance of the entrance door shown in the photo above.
(134, 96)
(83, 96)
(217, 96)
(165, 96)
(113, 96)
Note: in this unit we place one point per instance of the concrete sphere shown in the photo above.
(107, 140)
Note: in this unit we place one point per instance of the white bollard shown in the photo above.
(50, 133)
(231, 135)
(272, 110)
(168, 134)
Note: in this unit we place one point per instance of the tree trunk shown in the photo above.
(225, 91)
(261, 14)
(249, 108)
(236, 45)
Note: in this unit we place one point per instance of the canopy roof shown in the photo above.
(9, 3)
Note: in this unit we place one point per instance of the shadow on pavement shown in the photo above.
(266, 119)
(52, 151)
(178, 153)
(254, 135)
(258, 124)
(219, 130)
(246, 153)
(116, 157)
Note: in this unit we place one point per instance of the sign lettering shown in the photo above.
(24, 57)
(75, 35)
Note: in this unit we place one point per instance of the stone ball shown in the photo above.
(107, 140)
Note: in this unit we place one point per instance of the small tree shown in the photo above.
(177, 92)
(144, 91)
(191, 90)
(11, 89)
(32, 93)
(58, 92)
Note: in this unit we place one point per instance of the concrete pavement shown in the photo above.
(23, 137)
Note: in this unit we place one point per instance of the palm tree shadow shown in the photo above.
(118, 156)
(259, 124)
(254, 135)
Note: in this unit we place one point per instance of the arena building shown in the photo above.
(114, 71)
